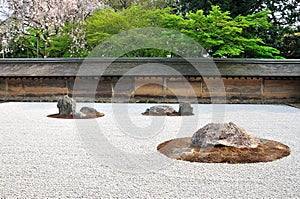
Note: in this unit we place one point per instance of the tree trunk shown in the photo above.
(37, 46)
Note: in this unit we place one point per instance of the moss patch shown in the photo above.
(181, 149)
(70, 116)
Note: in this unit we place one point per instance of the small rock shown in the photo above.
(66, 105)
(185, 109)
(160, 110)
(224, 134)
(88, 110)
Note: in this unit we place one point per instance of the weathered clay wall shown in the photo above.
(244, 81)
(154, 89)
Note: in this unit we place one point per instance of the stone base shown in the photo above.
(181, 149)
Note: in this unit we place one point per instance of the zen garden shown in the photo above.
(149, 99)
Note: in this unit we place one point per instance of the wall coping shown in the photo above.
(66, 67)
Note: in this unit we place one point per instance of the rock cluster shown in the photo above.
(160, 110)
(223, 134)
(67, 106)
(184, 109)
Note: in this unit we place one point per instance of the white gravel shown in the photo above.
(115, 156)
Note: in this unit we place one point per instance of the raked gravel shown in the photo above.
(115, 156)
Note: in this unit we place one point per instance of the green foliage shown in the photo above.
(103, 24)
(217, 32)
(108, 22)
(31, 45)
(223, 36)
(284, 17)
(291, 46)
(241, 7)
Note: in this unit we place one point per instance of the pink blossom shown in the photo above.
(47, 16)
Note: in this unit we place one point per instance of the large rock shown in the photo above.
(66, 105)
(160, 110)
(224, 134)
(185, 109)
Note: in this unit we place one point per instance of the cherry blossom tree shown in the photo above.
(44, 19)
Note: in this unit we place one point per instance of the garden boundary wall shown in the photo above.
(151, 80)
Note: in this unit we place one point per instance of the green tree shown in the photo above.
(59, 45)
(223, 36)
(284, 17)
(242, 7)
(103, 24)
(292, 46)
(220, 34)
(108, 22)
